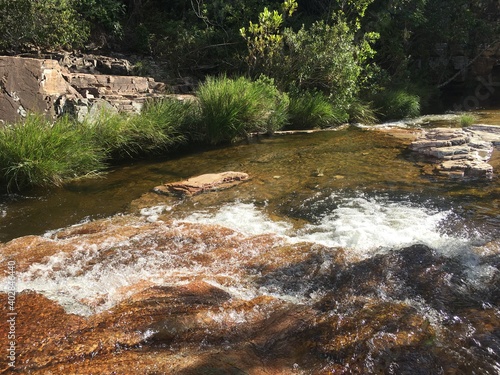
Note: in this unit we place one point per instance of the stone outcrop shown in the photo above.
(459, 153)
(31, 85)
(200, 184)
(45, 86)
(183, 298)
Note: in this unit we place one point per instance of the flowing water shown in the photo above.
(343, 223)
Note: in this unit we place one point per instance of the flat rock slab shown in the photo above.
(459, 153)
(203, 183)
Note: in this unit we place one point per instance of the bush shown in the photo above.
(45, 24)
(467, 120)
(230, 109)
(312, 110)
(329, 55)
(38, 152)
(398, 103)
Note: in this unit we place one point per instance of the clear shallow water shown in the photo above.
(284, 170)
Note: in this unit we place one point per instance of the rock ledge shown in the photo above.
(460, 153)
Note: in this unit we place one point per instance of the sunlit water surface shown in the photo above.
(352, 189)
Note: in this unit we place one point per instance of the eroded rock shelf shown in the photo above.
(459, 153)
(55, 87)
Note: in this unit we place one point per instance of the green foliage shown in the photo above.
(327, 56)
(265, 38)
(38, 152)
(420, 37)
(362, 112)
(159, 126)
(398, 103)
(111, 133)
(467, 119)
(45, 24)
(230, 109)
(105, 14)
(312, 110)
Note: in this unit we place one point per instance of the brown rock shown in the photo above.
(44, 86)
(30, 85)
(200, 184)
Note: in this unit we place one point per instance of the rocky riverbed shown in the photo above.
(210, 299)
(336, 255)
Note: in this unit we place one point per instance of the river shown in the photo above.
(373, 266)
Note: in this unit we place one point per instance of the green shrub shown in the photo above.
(105, 14)
(45, 24)
(38, 152)
(398, 104)
(467, 119)
(230, 109)
(312, 110)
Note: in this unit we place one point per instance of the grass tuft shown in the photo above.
(396, 104)
(312, 110)
(230, 109)
(467, 120)
(38, 152)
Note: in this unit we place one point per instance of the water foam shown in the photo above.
(94, 277)
(361, 224)
(242, 217)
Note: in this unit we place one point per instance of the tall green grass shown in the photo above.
(398, 103)
(230, 109)
(312, 110)
(160, 126)
(40, 152)
(37, 152)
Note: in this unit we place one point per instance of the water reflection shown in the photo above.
(281, 167)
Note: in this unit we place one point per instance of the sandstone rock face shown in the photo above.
(31, 85)
(460, 153)
(199, 184)
(46, 86)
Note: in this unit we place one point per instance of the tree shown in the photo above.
(44, 24)
(327, 56)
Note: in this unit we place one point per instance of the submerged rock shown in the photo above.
(203, 183)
